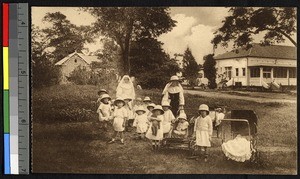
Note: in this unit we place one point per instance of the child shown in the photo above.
(104, 110)
(182, 125)
(203, 130)
(157, 118)
(147, 102)
(168, 118)
(137, 103)
(119, 119)
(128, 107)
(100, 93)
(150, 107)
(141, 122)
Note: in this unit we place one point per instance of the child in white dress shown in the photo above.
(128, 107)
(119, 119)
(203, 130)
(156, 117)
(100, 93)
(150, 108)
(168, 118)
(141, 122)
(104, 111)
(146, 103)
(182, 126)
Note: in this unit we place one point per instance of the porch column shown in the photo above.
(260, 75)
(288, 76)
(272, 73)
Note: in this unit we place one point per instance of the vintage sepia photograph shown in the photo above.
(164, 90)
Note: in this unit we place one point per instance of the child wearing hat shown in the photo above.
(100, 93)
(203, 130)
(155, 132)
(119, 120)
(168, 118)
(149, 110)
(182, 126)
(146, 103)
(141, 122)
(128, 107)
(137, 103)
(104, 110)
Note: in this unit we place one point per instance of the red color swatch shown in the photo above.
(5, 24)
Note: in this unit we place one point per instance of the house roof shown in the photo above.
(87, 58)
(257, 50)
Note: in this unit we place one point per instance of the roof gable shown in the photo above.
(257, 50)
(87, 58)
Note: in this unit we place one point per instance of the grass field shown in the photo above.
(66, 137)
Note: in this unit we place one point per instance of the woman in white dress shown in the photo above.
(125, 88)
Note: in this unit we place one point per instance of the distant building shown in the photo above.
(72, 61)
(258, 65)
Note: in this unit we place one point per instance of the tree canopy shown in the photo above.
(125, 24)
(278, 23)
(190, 66)
(209, 70)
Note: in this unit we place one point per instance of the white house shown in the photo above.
(72, 61)
(258, 65)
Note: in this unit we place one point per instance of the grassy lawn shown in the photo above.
(66, 137)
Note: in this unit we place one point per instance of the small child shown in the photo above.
(119, 119)
(100, 93)
(104, 111)
(203, 130)
(168, 118)
(141, 122)
(182, 125)
(150, 108)
(128, 107)
(146, 103)
(156, 118)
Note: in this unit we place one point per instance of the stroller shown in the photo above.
(239, 135)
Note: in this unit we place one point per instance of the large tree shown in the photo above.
(64, 36)
(125, 24)
(190, 66)
(152, 67)
(210, 70)
(278, 24)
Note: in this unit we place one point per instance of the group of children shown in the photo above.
(152, 121)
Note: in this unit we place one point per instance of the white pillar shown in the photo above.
(260, 75)
(272, 71)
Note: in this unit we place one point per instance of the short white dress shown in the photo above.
(203, 129)
(168, 118)
(104, 111)
(159, 135)
(119, 116)
(141, 123)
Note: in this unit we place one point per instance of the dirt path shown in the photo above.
(260, 99)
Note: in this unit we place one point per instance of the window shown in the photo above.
(244, 71)
(267, 72)
(280, 72)
(236, 72)
(254, 72)
(228, 72)
(292, 72)
(75, 60)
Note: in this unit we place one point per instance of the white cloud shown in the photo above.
(188, 33)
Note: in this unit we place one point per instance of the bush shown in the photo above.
(84, 76)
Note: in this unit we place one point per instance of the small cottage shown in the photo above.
(72, 61)
(258, 65)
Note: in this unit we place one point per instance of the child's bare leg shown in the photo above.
(113, 137)
(122, 137)
(205, 154)
(153, 144)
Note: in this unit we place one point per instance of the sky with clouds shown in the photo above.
(194, 28)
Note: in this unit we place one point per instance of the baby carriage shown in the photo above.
(238, 132)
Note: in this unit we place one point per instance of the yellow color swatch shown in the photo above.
(5, 69)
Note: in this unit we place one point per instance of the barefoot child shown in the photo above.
(104, 111)
(203, 130)
(119, 120)
(155, 119)
(141, 122)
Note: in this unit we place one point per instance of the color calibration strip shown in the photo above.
(16, 88)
